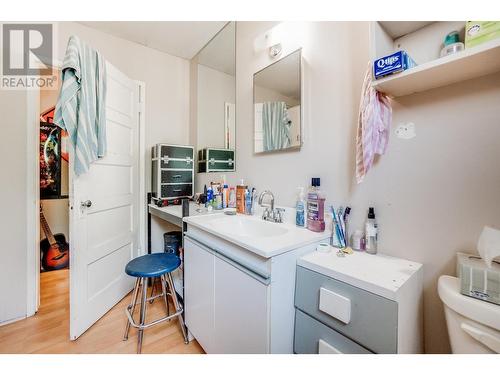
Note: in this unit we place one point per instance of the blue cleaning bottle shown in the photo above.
(300, 209)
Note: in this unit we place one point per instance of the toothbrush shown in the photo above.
(337, 229)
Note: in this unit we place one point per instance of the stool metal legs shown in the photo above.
(132, 304)
(167, 285)
(178, 308)
(142, 317)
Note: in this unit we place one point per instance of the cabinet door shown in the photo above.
(199, 293)
(241, 311)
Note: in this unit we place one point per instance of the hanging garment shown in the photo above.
(275, 126)
(80, 109)
(374, 123)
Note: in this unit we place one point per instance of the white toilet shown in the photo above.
(473, 325)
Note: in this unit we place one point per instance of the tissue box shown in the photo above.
(477, 280)
(395, 63)
(477, 32)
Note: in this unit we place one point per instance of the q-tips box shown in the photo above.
(395, 63)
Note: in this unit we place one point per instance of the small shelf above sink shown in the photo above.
(470, 63)
(423, 42)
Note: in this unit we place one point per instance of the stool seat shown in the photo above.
(152, 265)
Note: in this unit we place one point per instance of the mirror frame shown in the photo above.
(292, 148)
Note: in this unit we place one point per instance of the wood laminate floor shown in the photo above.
(48, 330)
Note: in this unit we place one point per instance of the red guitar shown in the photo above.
(54, 248)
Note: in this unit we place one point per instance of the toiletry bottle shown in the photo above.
(357, 240)
(205, 192)
(240, 197)
(210, 197)
(225, 196)
(315, 207)
(371, 232)
(248, 202)
(232, 197)
(218, 201)
(300, 208)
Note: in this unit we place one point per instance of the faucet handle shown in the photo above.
(279, 214)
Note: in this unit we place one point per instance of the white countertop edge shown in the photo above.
(255, 250)
(362, 284)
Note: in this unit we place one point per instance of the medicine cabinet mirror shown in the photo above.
(277, 105)
(216, 98)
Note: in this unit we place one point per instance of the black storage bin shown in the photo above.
(172, 242)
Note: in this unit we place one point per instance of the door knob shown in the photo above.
(87, 203)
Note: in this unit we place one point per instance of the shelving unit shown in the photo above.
(423, 42)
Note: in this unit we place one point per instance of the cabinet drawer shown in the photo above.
(176, 152)
(177, 157)
(312, 337)
(364, 317)
(175, 191)
(169, 176)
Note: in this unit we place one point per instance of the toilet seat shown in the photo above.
(485, 313)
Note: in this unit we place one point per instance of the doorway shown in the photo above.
(53, 168)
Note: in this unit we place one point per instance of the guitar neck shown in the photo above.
(46, 230)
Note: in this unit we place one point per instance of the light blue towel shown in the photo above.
(81, 107)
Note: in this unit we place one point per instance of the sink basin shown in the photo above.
(242, 226)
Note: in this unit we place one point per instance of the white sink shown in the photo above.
(252, 233)
(242, 226)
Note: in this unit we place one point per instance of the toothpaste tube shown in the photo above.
(395, 63)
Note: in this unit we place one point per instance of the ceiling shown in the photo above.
(179, 38)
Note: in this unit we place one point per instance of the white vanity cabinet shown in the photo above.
(237, 301)
(226, 307)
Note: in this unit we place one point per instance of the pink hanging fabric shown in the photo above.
(374, 123)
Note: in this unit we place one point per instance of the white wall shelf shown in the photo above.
(423, 42)
(470, 63)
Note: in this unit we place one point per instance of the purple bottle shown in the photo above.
(315, 207)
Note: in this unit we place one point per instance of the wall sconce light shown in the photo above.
(275, 50)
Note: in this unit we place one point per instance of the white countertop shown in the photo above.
(176, 210)
(263, 246)
(380, 274)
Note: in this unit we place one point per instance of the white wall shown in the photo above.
(167, 120)
(166, 78)
(214, 89)
(432, 194)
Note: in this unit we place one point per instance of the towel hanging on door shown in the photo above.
(374, 123)
(81, 106)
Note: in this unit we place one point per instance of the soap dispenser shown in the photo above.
(300, 208)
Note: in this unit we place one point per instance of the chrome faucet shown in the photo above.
(270, 213)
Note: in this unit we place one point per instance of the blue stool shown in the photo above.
(151, 266)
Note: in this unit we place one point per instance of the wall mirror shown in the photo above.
(277, 105)
(216, 98)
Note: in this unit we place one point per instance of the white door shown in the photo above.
(104, 236)
(241, 313)
(199, 293)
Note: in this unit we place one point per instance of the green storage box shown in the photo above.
(478, 32)
(216, 160)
